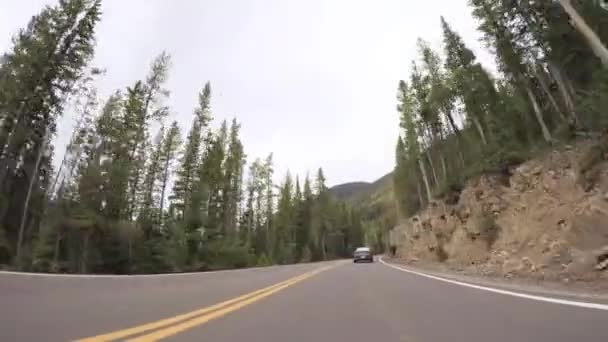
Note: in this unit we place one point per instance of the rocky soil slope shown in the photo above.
(546, 218)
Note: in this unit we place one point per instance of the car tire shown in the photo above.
(355, 261)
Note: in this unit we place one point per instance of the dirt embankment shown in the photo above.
(546, 219)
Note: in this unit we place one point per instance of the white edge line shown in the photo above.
(586, 305)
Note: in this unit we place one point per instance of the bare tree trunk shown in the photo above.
(51, 190)
(583, 28)
(452, 124)
(480, 130)
(85, 253)
(458, 134)
(425, 178)
(570, 87)
(538, 114)
(444, 168)
(432, 165)
(555, 72)
(323, 252)
(130, 254)
(249, 217)
(543, 83)
(562, 86)
(162, 193)
(56, 249)
(26, 204)
(420, 198)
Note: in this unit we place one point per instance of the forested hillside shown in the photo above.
(459, 121)
(375, 203)
(348, 190)
(134, 193)
(507, 174)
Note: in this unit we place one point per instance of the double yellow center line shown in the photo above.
(171, 326)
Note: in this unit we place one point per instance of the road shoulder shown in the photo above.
(524, 286)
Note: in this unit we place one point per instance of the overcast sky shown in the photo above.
(313, 81)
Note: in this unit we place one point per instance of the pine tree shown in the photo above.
(113, 157)
(187, 173)
(233, 170)
(212, 181)
(470, 82)
(305, 236)
(149, 217)
(143, 104)
(321, 221)
(300, 226)
(284, 223)
(37, 76)
(253, 208)
(269, 202)
(509, 56)
(168, 155)
(407, 107)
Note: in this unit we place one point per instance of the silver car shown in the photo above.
(363, 254)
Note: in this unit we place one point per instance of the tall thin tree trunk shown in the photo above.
(554, 71)
(162, 193)
(562, 86)
(458, 134)
(452, 123)
(444, 168)
(419, 191)
(480, 130)
(432, 165)
(28, 195)
(583, 28)
(539, 115)
(323, 252)
(56, 249)
(425, 178)
(57, 175)
(250, 214)
(130, 254)
(85, 253)
(540, 76)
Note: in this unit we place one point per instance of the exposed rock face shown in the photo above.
(548, 219)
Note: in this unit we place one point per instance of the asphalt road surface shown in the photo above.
(332, 301)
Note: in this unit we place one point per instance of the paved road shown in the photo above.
(334, 301)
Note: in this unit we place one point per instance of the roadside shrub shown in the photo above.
(263, 260)
(227, 256)
(490, 230)
(450, 191)
(588, 161)
(442, 255)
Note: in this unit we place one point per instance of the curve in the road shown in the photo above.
(173, 325)
(587, 305)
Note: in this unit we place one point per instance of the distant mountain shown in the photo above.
(362, 191)
(348, 190)
(376, 206)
